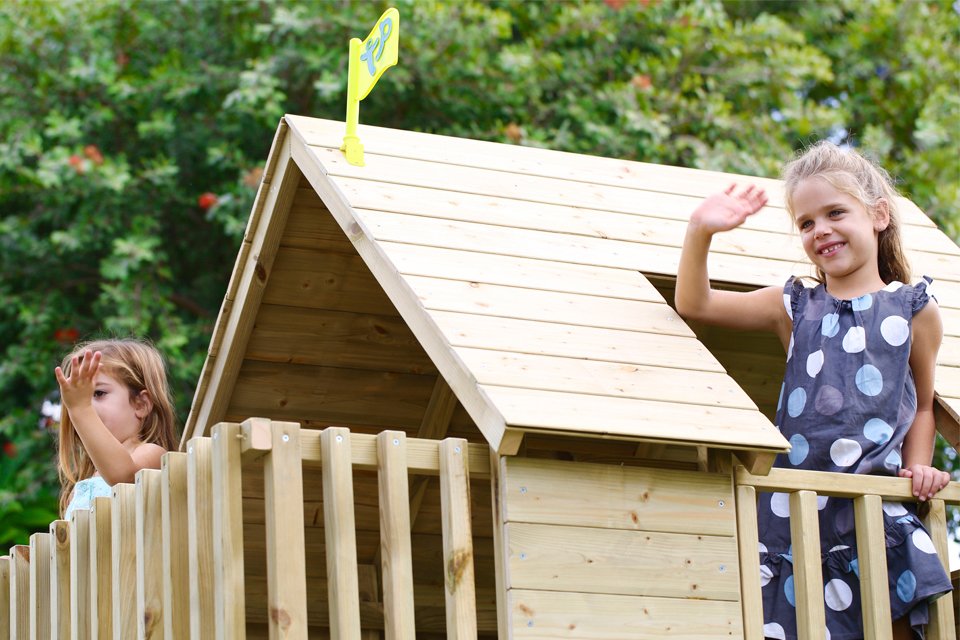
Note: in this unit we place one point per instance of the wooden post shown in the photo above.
(101, 568)
(150, 567)
(60, 579)
(40, 586)
(457, 540)
(872, 560)
(807, 572)
(123, 521)
(228, 574)
(395, 548)
(80, 601)
(20, 592)
(286, 548)
(748, 544)
(339, 530)
(5, 612)
(498, 470)
(176, 573)
(942, 623)
(200, 538)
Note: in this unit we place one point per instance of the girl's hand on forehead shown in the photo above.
(77, 389)
(729, 209)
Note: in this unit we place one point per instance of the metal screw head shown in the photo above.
(285, 438)
(215, 435)
(523, 556)
(339, 438)
(456, 449)
(396, 442)
(190, 450)
(721, 503)
(529, 623)
(523, 489)
(723, 568)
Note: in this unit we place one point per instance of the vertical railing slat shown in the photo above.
(5, 613)
(807, 570)
(60, 579)
(340, 534)
(460, 591)
(101, 568)
(228, 533)
(80, 600)
(200, 538)
(40, 586)
(20, 592)
(395, 547)
(749, 545)
(123, 524)
(286, 549)
(150, 568)
(942, 623)
(176, 574)
(872, 561)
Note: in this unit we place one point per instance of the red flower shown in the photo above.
(66, 335)
(10, 449)
(76, 162)
(93, 154)
(641, 81)
(207, 200)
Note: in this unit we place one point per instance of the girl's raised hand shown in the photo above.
(77, 390)
(727, 210)
(926, 480)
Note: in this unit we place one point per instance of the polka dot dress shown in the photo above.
(847, 401)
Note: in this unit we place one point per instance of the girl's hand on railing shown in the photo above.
(927, 481)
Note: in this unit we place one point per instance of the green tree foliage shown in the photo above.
(132, 133)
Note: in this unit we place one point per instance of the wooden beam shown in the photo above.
(176, 560)
(20, 592)
(460, 589)
(80, 596)
(101, 568)
(228, 531)
(123, 520)
(5, 597)
(39, 595)
(395, 547)
(200, 537)
(59, 580)
(872, 562)
(150, 566)
(807, 572)
(339, 528)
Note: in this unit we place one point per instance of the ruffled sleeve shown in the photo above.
(793, 292)
(921, 294)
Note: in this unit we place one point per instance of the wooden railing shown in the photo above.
(867, 493)
(164, 557)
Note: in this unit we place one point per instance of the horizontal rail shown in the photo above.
(840, 485)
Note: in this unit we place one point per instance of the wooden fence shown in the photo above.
(868, 494)
(164, 557)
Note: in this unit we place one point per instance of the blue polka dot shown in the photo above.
(796, 402)
(869, 380)
(862, 303)
(855, 567)
(830, 325)
(907, 586)
(876, 430)
(788, 591)
(893, 460)
(800, 449)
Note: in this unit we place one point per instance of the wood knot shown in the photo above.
(62, 535)
(261, 272)
(457, 566)
(525, 610)
(280, 617)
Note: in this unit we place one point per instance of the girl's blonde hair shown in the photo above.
(848, 171)
(137, 365)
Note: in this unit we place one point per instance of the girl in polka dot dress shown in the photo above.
(857, 395)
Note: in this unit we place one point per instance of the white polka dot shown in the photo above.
(895, 330)
(894, 509)
(876, 430)
(839, 547)
(765, 575)
(826, 633)
(787, 305)
(837, 595)
(814, 363)
(830, 325)
(862, 303)
(796, 402)
(762, 548)
(923, 542)
(790, 348)
(822, 502)
(893, 286)
(774, 630)
(845, 452)
(855, 340)
(780, 504)
(869, 380)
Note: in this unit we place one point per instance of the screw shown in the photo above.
(190, 450)
(339, 438)
(721, 503)
(523, 489)
(456, 449)
(723, 568)
(215, 435)
(396, 442)
(523, 556)
(285, 438)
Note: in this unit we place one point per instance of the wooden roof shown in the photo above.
(530, 281)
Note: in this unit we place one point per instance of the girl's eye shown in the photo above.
(806, 224)
(836, 212)
(99, 393)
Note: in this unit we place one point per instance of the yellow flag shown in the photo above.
(378, 52)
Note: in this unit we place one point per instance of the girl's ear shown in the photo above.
(142, 404)
(881, 215)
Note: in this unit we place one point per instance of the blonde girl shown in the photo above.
(117, 417)
(857, 395)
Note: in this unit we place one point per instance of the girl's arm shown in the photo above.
(918, 443)
(695, 300)
(113, 460)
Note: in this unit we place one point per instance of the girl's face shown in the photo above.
(838, 233)
(121, 414)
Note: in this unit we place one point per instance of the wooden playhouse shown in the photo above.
(447, 396)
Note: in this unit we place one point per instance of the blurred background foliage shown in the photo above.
(132, 135)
